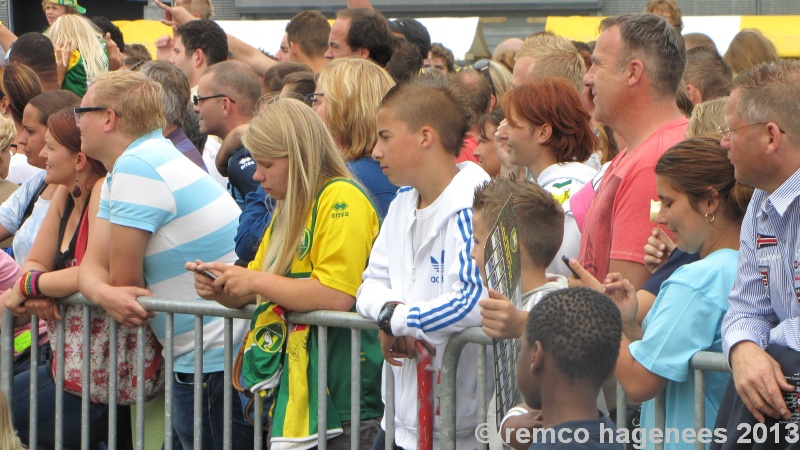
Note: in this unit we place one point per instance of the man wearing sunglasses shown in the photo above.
(226, 98)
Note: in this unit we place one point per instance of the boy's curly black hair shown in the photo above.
(581, 328)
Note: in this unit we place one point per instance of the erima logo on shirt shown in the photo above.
(246, 162)
(438, 267)
(339, 210)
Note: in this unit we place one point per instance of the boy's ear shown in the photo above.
(545, 131)
(426, 135)
(537, 359)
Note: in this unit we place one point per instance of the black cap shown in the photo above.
(414, 32)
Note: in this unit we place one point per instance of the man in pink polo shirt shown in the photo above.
(637, 66)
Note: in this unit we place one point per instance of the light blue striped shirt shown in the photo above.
(764, 304)
(153, 187)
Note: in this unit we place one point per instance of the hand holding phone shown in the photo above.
(566, 262)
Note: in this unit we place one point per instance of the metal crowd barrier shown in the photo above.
(199, 309)
(444, 390)
(700, 363)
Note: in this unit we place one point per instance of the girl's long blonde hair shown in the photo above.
(85, 37)
(287, 128)
(8, 436)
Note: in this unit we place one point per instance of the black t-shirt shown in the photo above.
(598, 434)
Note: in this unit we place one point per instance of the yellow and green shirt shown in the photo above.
(337, 240)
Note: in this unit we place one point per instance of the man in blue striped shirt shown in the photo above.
(762, 135)
(158, 210)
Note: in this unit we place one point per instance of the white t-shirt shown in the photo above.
(423, 229)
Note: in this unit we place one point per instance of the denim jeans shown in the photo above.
(98, 413)
(212, 417)
(23, 364)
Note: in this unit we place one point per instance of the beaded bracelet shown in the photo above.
(29, 284)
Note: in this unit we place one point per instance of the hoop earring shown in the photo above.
(76, 191)
(710, 219)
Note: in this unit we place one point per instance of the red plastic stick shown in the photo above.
(425, 397)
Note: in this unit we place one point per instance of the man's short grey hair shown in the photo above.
(658, 44)
(175, 89)
(770, 92)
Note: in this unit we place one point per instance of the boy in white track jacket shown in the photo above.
(421, 283)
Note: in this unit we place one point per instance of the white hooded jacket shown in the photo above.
(439, 289)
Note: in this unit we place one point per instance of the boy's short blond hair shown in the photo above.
(431, 103)
(555, 56)
(540, 219)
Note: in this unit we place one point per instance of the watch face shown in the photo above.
(383, 313)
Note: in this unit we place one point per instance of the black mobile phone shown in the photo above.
(566, 263)
(207, 273)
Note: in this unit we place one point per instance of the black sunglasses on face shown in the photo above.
(196, 100)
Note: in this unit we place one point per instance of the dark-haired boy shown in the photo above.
(569, 348)
(421, 283)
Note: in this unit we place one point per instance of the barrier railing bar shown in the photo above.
(482, 407)
(7, 355)
(198, 382)
(388, 412)
(169, 378)
(699, 405)
(712, 361)
(322, 383)
(447, 384)
(355, 388)
(258, 428)
(33, 434)
(113, 364)
(227, 436)
(86, 367)
(140, 382)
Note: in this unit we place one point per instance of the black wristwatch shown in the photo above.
(385, 318)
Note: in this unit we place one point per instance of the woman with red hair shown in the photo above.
(550, 135)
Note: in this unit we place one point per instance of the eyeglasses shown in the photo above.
(196, 100)
(78, 112)
(135, 67)
(483, 66)
(725, 130)
(313, 100)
